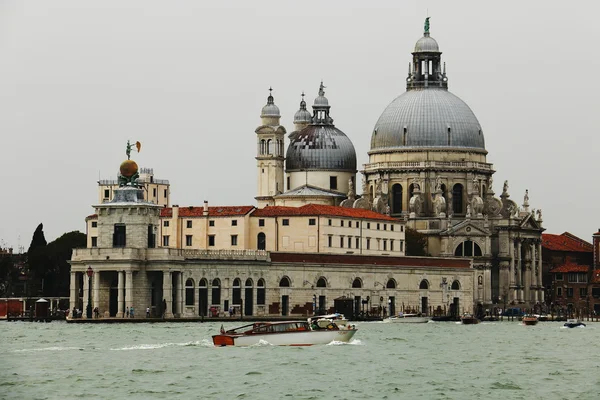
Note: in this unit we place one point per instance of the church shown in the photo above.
(312, 238)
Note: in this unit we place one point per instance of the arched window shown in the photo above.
(261, 241)
(189, 292)
(284, 282)
(260, 292)
(455, 285)
(371, 191)
(321, 282)
(468, 248)
(391, 284)
(357, 283)
(203, 297)
(424, 284)
(249, 283)
(396, 199)
(269, 147)
(216, 291)
(262, 147)
(236, 291)
(457, 199)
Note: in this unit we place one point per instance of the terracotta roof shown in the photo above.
(565, 242)
(318, 209)
(93, 216)
(370, 260)
(219, 211)
(570, 268)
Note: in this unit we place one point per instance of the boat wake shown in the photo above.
(201, 343)
(55, 348)
(353, 342)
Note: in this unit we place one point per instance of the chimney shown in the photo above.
(205, 210)
(596, 242)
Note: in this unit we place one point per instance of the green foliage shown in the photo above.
(416, 243)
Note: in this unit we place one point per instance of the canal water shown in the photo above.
(444, 360)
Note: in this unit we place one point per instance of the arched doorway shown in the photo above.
(261, 241)
(249, 297)
(216, 292)
(285, 299)
(397, 199)
(202, 297)
(322, 305)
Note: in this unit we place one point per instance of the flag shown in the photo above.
(138, 145)
(222, 330)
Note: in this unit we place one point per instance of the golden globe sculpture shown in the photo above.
(128, 171)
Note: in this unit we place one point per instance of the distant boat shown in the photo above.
(408, 319)
(530, 320)
(469, 319)
(574, 323)
(283, 333)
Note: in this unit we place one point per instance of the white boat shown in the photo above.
(574, 323)
(283, 333)
(408, 318)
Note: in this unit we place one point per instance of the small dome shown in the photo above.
(302, 115)
(320, 147)
(427, 44)
(270, 109)
(321, 100)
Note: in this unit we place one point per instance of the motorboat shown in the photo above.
(322, 321)
(284, 333)
(468, 319)
(408, 318)
(530, 320)
(574, 323)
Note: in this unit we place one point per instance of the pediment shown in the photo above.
(530, 223)
(271, 129)
(466, 228)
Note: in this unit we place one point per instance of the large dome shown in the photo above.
(320, 147)
(427, 117)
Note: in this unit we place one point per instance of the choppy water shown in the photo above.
(503, 360)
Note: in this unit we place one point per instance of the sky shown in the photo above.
(188, 80)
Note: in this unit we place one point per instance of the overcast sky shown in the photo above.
(188, 79)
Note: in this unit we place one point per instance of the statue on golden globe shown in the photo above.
(129, 169)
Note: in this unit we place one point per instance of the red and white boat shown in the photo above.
(284, 333)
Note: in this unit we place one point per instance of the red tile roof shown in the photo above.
(353, 259)
(93, 216)
(565, 242)
(318, 209)
(570, 268)
(222, 211)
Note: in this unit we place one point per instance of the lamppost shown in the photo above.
(88, 310)
(314, 304)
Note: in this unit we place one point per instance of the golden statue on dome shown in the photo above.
(128, 171)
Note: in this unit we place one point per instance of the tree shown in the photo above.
(59, 254)
(416, 243)
(37, 259)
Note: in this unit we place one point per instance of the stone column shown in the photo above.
(129, 290)
(86, 295)
(120, 294)
(167, 293)
(539, 278)
(73, 293)
(534, 277)
(519, 272)
(511, 281)
(180, 293)
(96, 290)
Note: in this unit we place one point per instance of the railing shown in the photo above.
(261, 255)
(428, 164)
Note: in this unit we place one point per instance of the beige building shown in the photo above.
(156, 191)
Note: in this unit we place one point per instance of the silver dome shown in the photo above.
(270, 109)
(302, 115)
(432, 118)
(427, 44)
(320, 147)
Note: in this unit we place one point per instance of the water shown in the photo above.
(502, 360)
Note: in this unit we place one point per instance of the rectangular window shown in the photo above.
(261, 222)
(572, 277)
(94, 224)
(341, 242)
(377, 226)
(570, 292)
(391, 227)
(312, 221)
(234, 222)
(333, 183)
(384, 245)
(188, 240)
(342, 223)
(329, 240)
(188, 224)
(349, 242)
(368, 225)
(211, 223)
(166, 241)
(385, 227)
(288, 183)
(151, 237)
(94, 241)
(154, 192)
(559, 292)
(391, 244)
(165, 223)
(582, 277)
(401, 228)
(329, 222)
(119, 236)
(106, 194)
(165, 193)
(285, 222)
(368, 244)
(234, 240)
(357, 244)
(211, 240)
(357, 224)
(401, 245)
(559, 277)
(582, 292)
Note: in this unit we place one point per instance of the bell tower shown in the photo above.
(269, 154)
